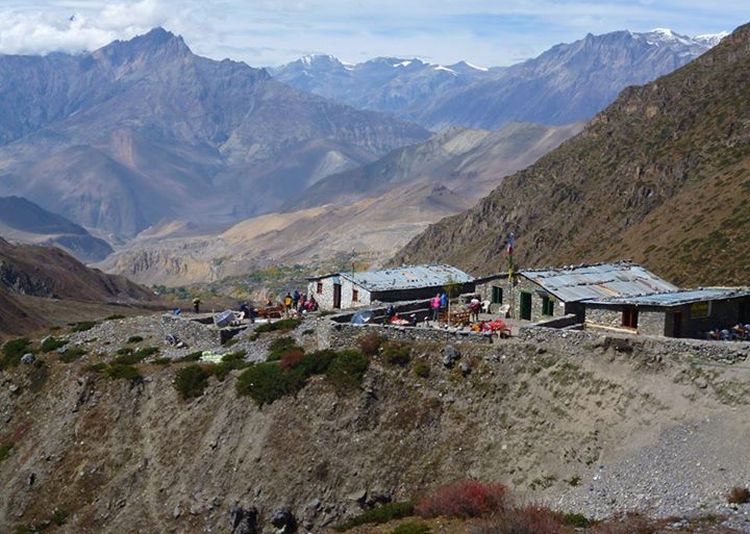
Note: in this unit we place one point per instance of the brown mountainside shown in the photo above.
(661, 176)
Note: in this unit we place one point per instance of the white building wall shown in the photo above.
(325, 298)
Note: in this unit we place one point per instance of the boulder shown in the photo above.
(284, 521)
(244, 520)
(28, 358)
(450, 356)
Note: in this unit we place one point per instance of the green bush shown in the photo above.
(192, 357)
(13, 351)
(124, 351)
(162, 361)
(413, 527)
(267, 382)
(129, 357)
(53, 343)
(381, 514)
(191, 381)
(280, 346)
(347, 370)
(283, 325)
(316, 363)
(83, 326)
(72, 354)
(98, 367)
(576, 520)
(422, 369)
(59, 517)
(135, 339)
(397, 354)
(123, 371)
(229, 362)
(5, 450)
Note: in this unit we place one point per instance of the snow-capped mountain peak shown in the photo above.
(710, 39)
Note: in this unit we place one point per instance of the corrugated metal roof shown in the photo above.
(676, 298)
(587, 282)
(408, 277)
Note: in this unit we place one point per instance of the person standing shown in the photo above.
(197, 305)
(435, 307)
(295, 299)
(287, 303)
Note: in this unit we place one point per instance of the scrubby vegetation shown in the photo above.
(191, 381)
(413, 527)
(381, 514)
(370, 343)
(395, 353)
(72, 354)
(738, 495)
(192, 357)
(128, 356)
(122, 371)
(283, 325)
(52, 343)
(229, 362)
(13, 351)
(83, 326)
(5, 450)
(135, 339)
(280, 346)
(464, 499)
(422, 369)
(269, 381)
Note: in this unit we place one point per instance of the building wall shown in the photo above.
(512, 296)
(325, 299)
(659, 321)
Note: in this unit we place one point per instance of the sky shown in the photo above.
(273, 32)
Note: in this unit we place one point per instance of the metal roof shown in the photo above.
(676, 298)
(414, 277)
(588, 282)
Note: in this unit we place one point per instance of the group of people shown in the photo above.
(299, 302)
(738, 332)
(438, 304)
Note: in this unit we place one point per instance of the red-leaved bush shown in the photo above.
(291, 359)
(524, 520)
(465, 498)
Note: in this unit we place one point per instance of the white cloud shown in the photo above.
(266, 32)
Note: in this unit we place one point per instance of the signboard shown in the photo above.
(699, 310)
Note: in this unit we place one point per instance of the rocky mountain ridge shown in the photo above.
(144, 130)
(661, 176)
(568, 83)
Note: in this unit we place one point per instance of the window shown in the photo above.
(497, 295)
(355, 295)
(319, 288)
(548, 306)
(630, 317)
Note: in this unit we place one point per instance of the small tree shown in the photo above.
(452, 289)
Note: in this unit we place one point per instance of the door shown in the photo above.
(677, 324)
(497, 295)
(525, 305)
(337, 296)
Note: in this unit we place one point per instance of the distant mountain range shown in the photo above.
(661, 176)
(142, 131)
(566, 84)
(370, 211)
(25, 222)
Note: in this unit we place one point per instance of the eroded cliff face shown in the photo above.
(125, 456)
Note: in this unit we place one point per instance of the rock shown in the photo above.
(284, 521)
(31, 479)
(377, 497)
(465, 368)
(244, 520)
(359, 496)
(28, 358)
(13, 388)
(701, 382)
(450, 356)
(177, 512)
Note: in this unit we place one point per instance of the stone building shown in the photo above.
(681, 313)
(537, 295)
(353, 289)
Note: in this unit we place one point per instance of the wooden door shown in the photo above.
(337, 296)
(525, 305)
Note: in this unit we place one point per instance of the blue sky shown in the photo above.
(270, 32)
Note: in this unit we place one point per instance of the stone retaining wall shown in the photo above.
(345, 335)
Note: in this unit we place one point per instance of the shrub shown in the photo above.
(370, 343)
(59, 517)
(129, 357)
(738, 495)
(576, 520)
(98, 367)
(235, 360)
(347, 370)
(267, 382)
(114, 317)
(192, 357)
(397, 354)
(464, 499)
(525, 520)
(13, 351)
(5, 450)
(412, 527)
(72, 354)
(279, 346)
(52, 343)
(422, 369)
(191, 381)
(162, 361)
(284, 325)
(381, 514)
(123, 371)
(316, 363)
(83, 326)
(291, 359)
(135, 339)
